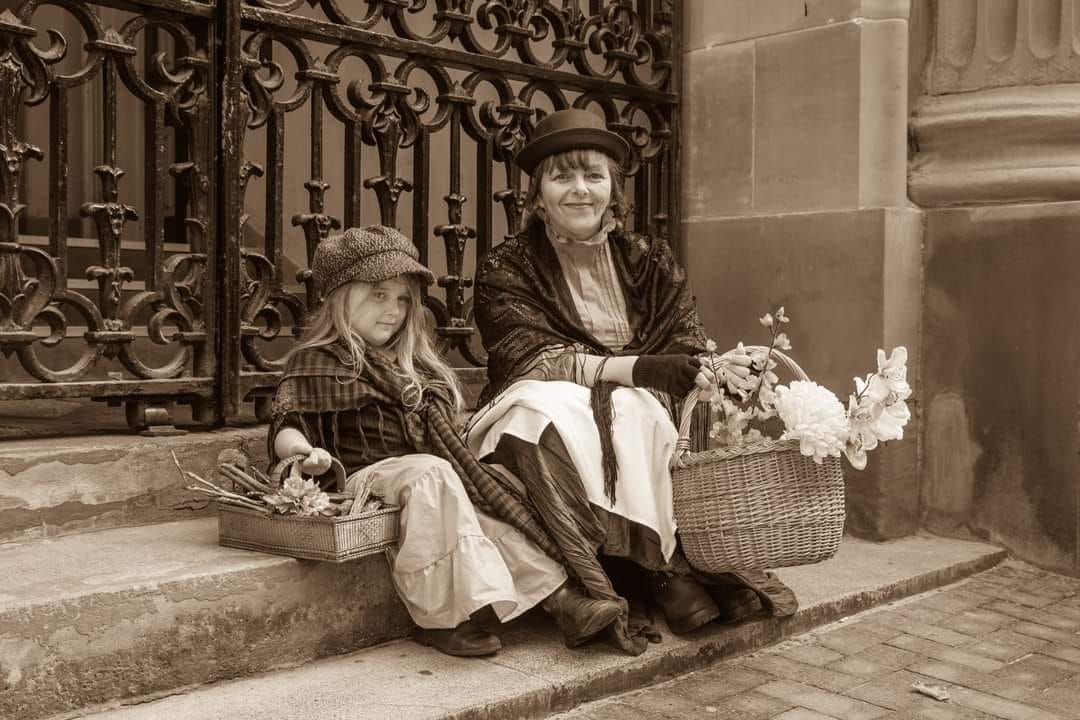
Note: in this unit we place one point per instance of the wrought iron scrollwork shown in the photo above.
(496, 66)
(171, 85)
(22, 298)
(263, 296)
(391, 112)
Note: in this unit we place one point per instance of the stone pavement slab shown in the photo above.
(860, 667)
(535, 675)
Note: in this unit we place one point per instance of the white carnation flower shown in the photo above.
(814, 416)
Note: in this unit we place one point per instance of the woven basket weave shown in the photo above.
(758, 506)
(333, 539)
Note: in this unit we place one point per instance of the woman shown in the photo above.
(592, 338)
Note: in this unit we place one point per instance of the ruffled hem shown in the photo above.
(453, 587)
(535, 574)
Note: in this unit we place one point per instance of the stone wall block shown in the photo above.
(883, 113)
(708, 23)
(718, 131)
(806, 153)
(803, 121)
(713, 22)
(851, 281)
(1000, 382)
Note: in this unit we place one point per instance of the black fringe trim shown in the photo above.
(603, 411)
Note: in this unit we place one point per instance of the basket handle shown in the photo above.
(283, 465)
(682, 446)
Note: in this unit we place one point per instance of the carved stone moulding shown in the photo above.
(1003, 145)
(983, 44)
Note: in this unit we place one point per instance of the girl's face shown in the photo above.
(379, 313)
(574, 199)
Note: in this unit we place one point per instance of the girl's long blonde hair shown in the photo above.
(417, 359)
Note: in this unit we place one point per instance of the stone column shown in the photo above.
(999, 120)
(996, 162)
(794, 193)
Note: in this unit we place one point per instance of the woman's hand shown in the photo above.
(674, 374)
(317, 461)
(737, 371)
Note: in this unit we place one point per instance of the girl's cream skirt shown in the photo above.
(451, 559)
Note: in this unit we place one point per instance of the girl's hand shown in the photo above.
(317, 462)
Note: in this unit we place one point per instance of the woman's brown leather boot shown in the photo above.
(686, 604)
(735, 603)
(579, 617)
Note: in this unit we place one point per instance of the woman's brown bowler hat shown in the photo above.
(570, 130)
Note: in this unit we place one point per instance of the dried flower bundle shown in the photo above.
(253, 489)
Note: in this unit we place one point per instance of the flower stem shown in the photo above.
(765, 368)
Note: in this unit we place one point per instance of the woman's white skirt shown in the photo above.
(452, 559)
(643, 434)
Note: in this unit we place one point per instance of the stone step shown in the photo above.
(53, 486)
(228, 625)
(135, 611)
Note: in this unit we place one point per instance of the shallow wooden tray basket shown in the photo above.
(333, 539)
(758, 506)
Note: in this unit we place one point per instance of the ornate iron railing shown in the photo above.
(384, 106)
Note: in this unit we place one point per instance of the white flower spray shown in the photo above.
(811, 414)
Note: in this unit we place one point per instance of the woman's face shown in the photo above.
(574, 199)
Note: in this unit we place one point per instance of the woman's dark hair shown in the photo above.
(578, 159)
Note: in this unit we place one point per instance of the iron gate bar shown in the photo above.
(320, 31)
(672, 158)
(184, 389)
(230, 209)
(190, 8)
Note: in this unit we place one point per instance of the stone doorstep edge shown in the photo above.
(739, 640)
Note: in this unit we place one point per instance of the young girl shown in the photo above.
(365, 385)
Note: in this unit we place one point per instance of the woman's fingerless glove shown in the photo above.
(673, 374)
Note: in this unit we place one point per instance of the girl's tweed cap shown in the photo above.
(371, 254)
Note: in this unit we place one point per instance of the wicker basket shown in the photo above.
(333, 539)
(757, 506)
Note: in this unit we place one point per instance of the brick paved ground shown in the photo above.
(1004, 644)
